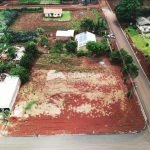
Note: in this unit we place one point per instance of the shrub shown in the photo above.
(147, 44)
(129, 94)
(44, 41)
(21, 72)
(80, 53)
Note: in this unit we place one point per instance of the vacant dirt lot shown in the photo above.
(89, 101)
(32, 21)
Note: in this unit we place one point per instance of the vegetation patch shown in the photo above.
(50, 1)
(140, 42)
(30, 104)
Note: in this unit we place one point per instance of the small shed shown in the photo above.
(83, 38)
(64, 34)
(8, 91)
(48, 12)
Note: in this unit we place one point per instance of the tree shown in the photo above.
(141, 2)
(59, 44)
(71, 46)
(10, 65)
(127, 9)
(31, 48)
(44, 41)
(96, 47)
(128, 59)
(75, 25)
(133, 70)
(12, 52)
(2, 67)
(21, 72)
(115, 56)
(87, 24)
(26, 61)
(100, 26)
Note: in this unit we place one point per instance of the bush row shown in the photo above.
(24, 9)
(21, 36)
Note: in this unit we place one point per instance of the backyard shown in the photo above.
(74, 96)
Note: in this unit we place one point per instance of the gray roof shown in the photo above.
(142, 21)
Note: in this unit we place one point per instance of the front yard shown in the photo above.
(141, 42)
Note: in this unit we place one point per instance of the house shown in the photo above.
(8, 91)
(83, 38)
(64, 34)
(52, 12)
(143, 24)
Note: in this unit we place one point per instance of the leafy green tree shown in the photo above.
(133, 70)
(21, 72)
(59, 44)
(44, 41)
(87, 24)
(96, 47)
(127, 9)
(128, 59)
(31, 48)
(12, 52)
(2, 67)
(71, 46)
(141, 2)
(26, 61)
(100, 26)
(40, 30)
(115, 56)
(75, 25)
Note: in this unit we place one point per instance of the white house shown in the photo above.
(8, 91)
(52, 12)
(143, 24)
(83, 38)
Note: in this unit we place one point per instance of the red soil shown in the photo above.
(115, 120)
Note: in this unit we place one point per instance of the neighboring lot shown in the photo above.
(31, 21)
(78, 104)
(141, 42)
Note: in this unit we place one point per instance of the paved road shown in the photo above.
(143, 87)
(140, 141)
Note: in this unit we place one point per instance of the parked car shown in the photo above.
(111, 35)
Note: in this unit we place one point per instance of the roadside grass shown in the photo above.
(139, 41)
(29, 1)
(30, 104)
(50, 2)
(65, 17)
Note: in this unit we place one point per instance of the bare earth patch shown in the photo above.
(94, 104)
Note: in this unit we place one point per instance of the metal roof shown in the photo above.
(84, 37)
(142, 21)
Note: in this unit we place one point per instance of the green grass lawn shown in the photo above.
(50, 2)
(29, 1)
(65, 17)
(139, 41)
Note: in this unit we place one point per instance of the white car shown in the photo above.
(111, 36)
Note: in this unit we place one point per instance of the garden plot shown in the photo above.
(32, 21)
(73, 103)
